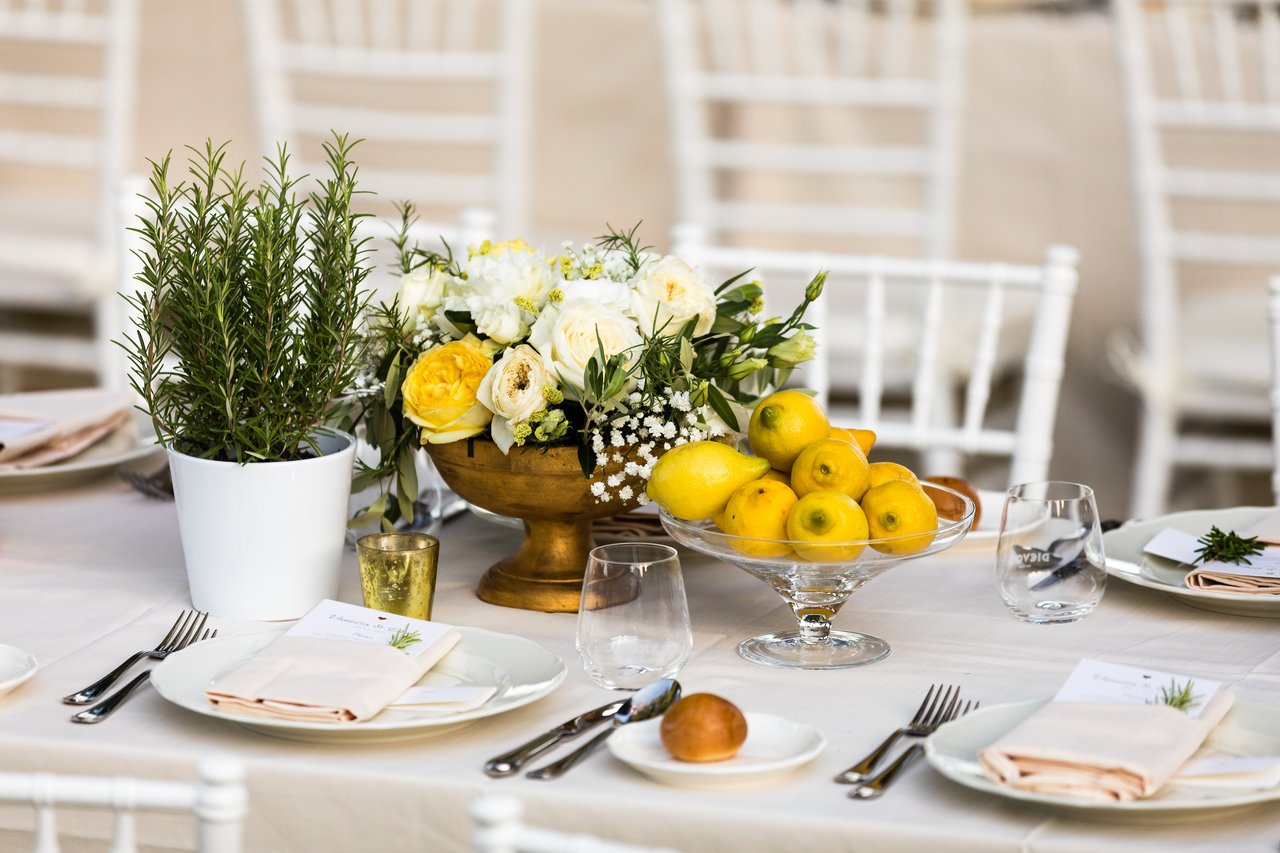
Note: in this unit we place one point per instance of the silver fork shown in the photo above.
(927, 718)
(188, 624)
(877, 786)
(107, 706)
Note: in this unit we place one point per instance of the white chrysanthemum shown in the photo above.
(504, 290)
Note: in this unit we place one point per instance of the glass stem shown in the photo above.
(814, 627)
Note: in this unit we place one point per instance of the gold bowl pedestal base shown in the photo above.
(546, 573)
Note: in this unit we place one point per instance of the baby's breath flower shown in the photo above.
(597, 489)
(625, 493)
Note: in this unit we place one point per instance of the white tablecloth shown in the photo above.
(89, 575)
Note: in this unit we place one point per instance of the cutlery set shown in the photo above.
(188, 628)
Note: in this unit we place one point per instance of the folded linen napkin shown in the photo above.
(1258, 579)
(317, 679)
(1100, 751)
(44, 427)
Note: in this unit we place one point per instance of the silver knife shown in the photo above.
(508, 763)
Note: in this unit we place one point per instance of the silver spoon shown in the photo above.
(650, 701)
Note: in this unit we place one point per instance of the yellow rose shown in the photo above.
(440, 391)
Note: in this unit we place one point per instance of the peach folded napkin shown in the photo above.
(1267, 530)
(317, 679)
(1100, 751)
(44, 427)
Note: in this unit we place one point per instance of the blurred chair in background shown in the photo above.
(499, 829)
(437, 88)
(218, 801)
(1273, 315)
(1203, 89)
(920, 296)
(67, 87)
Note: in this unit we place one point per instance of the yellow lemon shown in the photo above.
(759, 510)
(783, 424)
(778, 476)
(883, 472)
(831, 464)
(827, 527)
(864, 438)
(900, 512)
(693, 481)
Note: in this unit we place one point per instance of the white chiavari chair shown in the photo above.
(66, 107)
(919, 297)
(500, 829)
(439, 90)
(1202, 84)
(218, 800)
(1273, 316)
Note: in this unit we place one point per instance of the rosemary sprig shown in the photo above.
(404, 638)
(1182, 698)
(1228, 547)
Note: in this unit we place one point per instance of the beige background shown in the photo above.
(1044, 160)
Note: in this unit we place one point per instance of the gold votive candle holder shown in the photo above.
(398, 572)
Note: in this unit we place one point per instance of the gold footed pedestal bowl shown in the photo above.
(815, 591)
(545, 488)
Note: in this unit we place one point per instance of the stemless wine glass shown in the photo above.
(633, 622)
(1049, 560)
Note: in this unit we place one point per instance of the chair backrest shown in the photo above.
(1202, 80)
(1273, 315)
(499, 830)
(218, 800)
(788, 115)
(922, 300)
(439, 90)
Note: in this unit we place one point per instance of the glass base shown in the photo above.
(840, 650)
(1053, 612)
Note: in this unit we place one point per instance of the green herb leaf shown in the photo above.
(1216, 546)
(404, 638)
(721, 407)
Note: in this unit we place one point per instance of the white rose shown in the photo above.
(512, 390)
(668, 294)
(421, 293)
(568, 337)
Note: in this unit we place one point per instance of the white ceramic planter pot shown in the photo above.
(264, 541)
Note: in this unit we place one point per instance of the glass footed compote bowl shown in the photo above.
(816, 591)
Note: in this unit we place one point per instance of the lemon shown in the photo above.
(693, 481)
(831, 464)
(883, 472)
(864, 438)
(783, 424)
(898, 508)
(826, 527)
(778, 476)
(759, 510)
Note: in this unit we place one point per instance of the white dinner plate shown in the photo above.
(1127, 562)
(16, 666)
(520, 669)
(1247, 730)
(773, 749)
(133, 442)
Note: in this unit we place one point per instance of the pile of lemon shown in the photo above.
(808, 483)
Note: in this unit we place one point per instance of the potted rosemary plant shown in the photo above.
(246, 332)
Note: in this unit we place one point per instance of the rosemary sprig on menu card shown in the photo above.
(1182, 698)
(1228, 547)
(404, 638)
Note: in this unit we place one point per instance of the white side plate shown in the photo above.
(520, 669)
(1246, 730)
(133, 442)
(16, 666)
(774, 748)
(1126, 561)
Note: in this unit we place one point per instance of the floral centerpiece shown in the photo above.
(606, 349)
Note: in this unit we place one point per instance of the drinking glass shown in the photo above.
(633, 621)
(398, 572)
(1049, 561)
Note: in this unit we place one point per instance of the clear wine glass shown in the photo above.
(633, 622)
(1049, 561)
(816, 591)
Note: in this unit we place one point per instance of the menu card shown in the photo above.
(1097, 681)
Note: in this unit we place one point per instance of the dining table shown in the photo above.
(93, 571)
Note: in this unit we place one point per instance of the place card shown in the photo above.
(12, 430)
(1098, 681)
(455, 699)
(1231, 771)
(1181, 547)
(337, 620)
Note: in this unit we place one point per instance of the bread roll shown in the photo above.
(703, 727)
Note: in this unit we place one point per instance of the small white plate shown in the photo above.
(520, 669)
(16, 666)
(1127, 562)
(1247, 730)
(773, 749)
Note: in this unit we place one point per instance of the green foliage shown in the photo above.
(1229, 547)
(249, 304)
(1182, 698)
